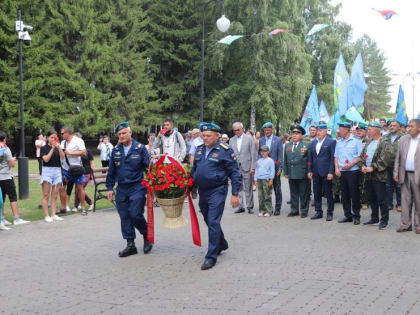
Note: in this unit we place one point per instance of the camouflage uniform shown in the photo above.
(376, 180)
(363, 196)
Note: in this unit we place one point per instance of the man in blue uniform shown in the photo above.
(346, 160)
(213, 164)
(127, 164)
(321, 170)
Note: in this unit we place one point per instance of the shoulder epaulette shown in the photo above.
(224, 146)
(139, 145)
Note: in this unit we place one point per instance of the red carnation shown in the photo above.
(347, 161)
(366, 156)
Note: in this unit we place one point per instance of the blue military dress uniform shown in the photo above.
(127, 171)
(211, 170)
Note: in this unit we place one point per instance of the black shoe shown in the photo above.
(313, 204)
(277, 212)
(356, 221)
(289, 202)
(208, 264)
(194, 195)
(250, 211)
(222, 248)
(345, 220)
(147, 247)
(131, 249)
(371, 222)
(318, 215)
(303, 215)
(329, 217)
(293, 214)
(240, 210)
(383, 225)
(337, 199)
(401, 229)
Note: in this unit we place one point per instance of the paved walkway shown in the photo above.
(275, 265)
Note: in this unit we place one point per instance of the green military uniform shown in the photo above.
(296, 169)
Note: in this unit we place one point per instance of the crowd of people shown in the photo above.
(62, 166)
(356, 168)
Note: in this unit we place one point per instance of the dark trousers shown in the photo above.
(212, 204)
(392, 185)
(105, 163)
(376, 192)
(277, 190)
(39, 164)
(130, 201)
(299, 193)
(322, 184)
(350, 195)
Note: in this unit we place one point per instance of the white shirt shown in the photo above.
(319, 145)
(76, 144)
(409, 162)
(239, 142)
(105, 150)
(38, 145)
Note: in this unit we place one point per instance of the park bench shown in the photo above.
(99, 179)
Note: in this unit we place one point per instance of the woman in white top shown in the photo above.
(40, 142)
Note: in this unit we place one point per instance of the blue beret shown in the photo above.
(322, 126)
(375, 124)
(344, 124)
(267, 125)
(120, 126)
(205, 126)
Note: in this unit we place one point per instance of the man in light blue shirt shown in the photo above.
(346, 159)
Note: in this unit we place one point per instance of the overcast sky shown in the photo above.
(398, 38)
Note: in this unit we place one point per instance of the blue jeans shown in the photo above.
(392, 185)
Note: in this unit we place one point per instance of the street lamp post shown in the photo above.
(23, 163)
(223, 25)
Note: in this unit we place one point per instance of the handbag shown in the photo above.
(74, 170)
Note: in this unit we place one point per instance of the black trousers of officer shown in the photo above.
(212, 204)
(376, 193)
(277, 190)
(350, 195)
(322, 184)
(130, 201)
(299, 193)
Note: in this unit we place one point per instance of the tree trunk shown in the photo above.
(252, 119)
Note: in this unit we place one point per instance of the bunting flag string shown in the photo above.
(229, 39)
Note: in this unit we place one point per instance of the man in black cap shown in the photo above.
(296, 158)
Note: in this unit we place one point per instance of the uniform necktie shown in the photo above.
(294, 146)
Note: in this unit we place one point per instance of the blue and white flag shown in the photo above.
(323, 112)
(311, 114)
(402, 117)
(358, 85)
(341, 87)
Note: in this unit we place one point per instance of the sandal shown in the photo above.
(267, 215)
(260, 214)
(84, 212)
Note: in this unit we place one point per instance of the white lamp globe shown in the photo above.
(223, 24)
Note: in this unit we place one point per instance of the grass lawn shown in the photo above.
(28, 209)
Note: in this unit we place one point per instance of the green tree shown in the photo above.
(259, 77)
(172, 46)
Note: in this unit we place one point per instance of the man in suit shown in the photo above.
(321, 170)
(276, 153)
(244, 148)
(296, 171)
(407, 174)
